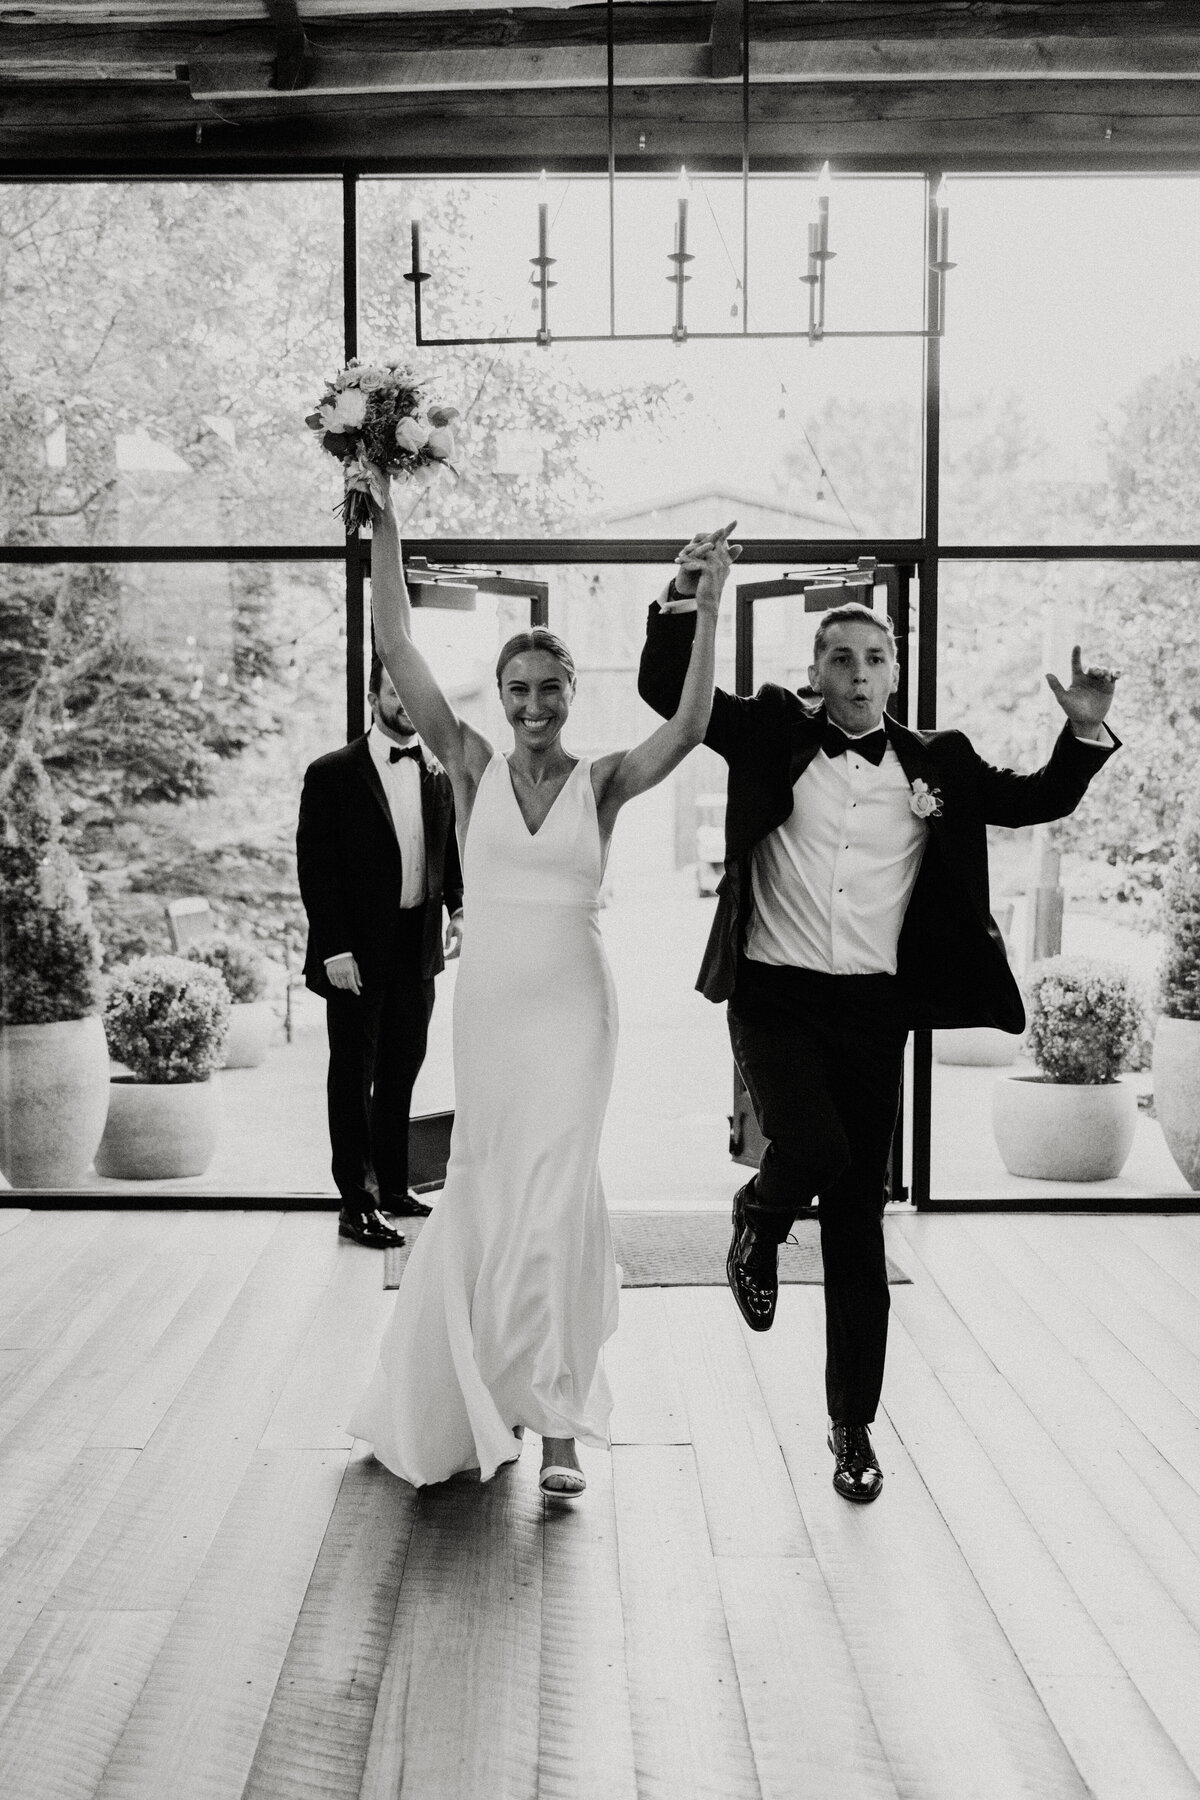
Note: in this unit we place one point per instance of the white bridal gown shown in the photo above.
(511, 1288)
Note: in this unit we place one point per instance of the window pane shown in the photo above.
(1071, 363)
(615, 439)
(1001, 626)
(160, 345)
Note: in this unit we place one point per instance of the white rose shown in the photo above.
(346, 413)
(440, 442)
(411, 436)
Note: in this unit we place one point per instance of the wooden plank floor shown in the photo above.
(208, 1593)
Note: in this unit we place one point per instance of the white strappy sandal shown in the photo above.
(576, 1478)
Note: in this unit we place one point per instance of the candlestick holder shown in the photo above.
(679, 278)
(540, 279)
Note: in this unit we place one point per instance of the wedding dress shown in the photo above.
(511, 1288)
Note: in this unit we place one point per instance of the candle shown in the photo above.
(941, 201)
(824, 188)
(681, 220)
(414, 234)
(543, 217)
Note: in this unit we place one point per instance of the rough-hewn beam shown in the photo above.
(1042, 124)
(791, 40)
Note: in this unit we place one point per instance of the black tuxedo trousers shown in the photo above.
(822, 1057)
(377, 1044)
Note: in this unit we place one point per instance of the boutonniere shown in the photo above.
(925, 801)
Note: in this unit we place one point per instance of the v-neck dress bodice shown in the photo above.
(511, 1288)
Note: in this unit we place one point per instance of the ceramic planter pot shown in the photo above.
(1058, 1131)
(1176, 1072)
(976, 1046)
(251, 1023)
(53, 1101)
(157, 1131)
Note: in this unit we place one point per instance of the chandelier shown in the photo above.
(814, 327)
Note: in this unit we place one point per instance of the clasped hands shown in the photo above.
(703, 566)
(1087, 700)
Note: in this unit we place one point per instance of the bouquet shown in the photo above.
(371, 415)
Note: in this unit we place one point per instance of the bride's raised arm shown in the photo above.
(455, 743)
(625, 773)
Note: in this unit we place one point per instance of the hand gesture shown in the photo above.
(707, 553)
(1089, 696)
(343, 973)
(452, 940)
(378, 490)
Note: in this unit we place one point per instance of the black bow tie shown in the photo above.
(834, 741)
(396, 754)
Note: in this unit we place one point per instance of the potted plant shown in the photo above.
(167, 1020)
(1075, 1119)
(245, 974)
(53, 1058)
(1176, 1058)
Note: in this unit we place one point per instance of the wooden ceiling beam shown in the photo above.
(685, 41)
(1041, 124)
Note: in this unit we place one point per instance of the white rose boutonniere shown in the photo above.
(925, 801)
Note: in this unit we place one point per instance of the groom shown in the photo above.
(854, 907)
(377, 860)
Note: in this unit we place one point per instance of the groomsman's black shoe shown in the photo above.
(857, 1475)
(404, 1206)
(369, 1228)
(752, 1269)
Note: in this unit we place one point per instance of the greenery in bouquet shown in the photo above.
(370, 417)
(244, 971)
(1179, 984)
(49, 950)
(167, 1019)
(1085, 1018)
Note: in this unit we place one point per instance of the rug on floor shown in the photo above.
(673, 1249)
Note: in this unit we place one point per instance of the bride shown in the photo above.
(511, 1288)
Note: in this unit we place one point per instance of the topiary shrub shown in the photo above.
(167, 1019)
(49, 951)
(1179, 980)
(243, 969)
(1085, 1017)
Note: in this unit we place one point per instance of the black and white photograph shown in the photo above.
(599, 900)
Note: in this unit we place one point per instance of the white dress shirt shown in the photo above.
(832, 883)
(402, 788)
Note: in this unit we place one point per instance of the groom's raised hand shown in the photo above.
(1087, 700)
(697, 556)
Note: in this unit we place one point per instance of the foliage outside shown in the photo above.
(160, 344)
(1180, 977)
(1085, 1018)
(238, 963)
(49, 951)
(167, 1019)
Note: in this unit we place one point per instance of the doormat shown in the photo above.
(674, 1249)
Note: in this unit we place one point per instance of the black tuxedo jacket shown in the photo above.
(951, 962)
(348, 863)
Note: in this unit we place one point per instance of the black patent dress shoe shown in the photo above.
(857, 1475)
(752, 1269)
(369, 1228)
(404, 1206)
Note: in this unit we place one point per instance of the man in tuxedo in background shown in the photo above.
(377, 861)
(854, 906)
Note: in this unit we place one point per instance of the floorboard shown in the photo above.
(205, 1593)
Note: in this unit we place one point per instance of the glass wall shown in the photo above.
(1071, 363)
(1088, 885)
(161, 343)
(158, 343)
(617, 440)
